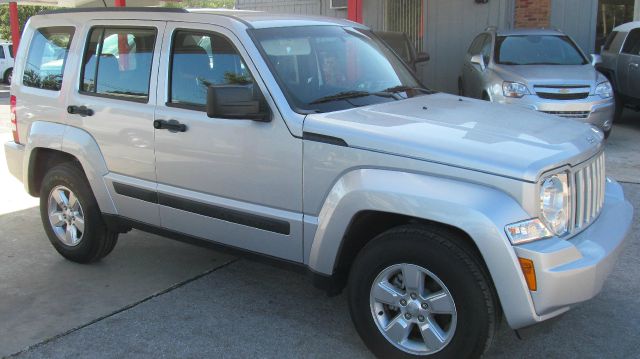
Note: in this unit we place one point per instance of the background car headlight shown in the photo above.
(554, 203)
(514, 89)
(604, 90)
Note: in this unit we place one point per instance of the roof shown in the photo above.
(628, 26)
(252, 19)
(521, 32)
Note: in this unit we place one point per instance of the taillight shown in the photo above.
(14, 119)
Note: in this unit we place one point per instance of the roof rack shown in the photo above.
(112, 9)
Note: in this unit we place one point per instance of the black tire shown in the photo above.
(7, 76)
(97, 241)
(485, 97)
(444, 254)
(607, 133)
(619, 109)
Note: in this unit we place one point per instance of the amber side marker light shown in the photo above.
(529, 273)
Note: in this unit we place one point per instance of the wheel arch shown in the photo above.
(52, 143)
(366, 202)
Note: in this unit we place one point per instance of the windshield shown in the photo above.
(330, 68)
(538, 50)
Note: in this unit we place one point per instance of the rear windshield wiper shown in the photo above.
(349, 94)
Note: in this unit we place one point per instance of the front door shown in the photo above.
(630, 64)
(233, 181)
(115, 102)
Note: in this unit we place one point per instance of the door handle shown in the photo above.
(634, 65)
(171, 125)
(80, 110)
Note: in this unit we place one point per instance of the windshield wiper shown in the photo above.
(402, 88)
(345, 95)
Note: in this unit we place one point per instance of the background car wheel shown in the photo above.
(485, 96)
(619, 109)
(71, 216)
(418, 291)
(7, 76)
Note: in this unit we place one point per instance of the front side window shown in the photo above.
(537, 50)
(200, 60)
(10, 54)
(632, 45)
(330, 68)
(1, 52)
(118, 62)
(46, 58)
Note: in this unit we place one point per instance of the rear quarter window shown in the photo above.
(46, 57)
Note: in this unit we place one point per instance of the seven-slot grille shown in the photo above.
(589, 184)
(570, 114)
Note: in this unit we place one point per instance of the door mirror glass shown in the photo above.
(422, 57)
(478, 60)
(596, 59)
(235, 102)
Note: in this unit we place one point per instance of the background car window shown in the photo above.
(486, 50)
(10, 54)
(632, 45)
(476, 45)
(537, 50)
(200, 60)
(118, 62)
(46, 58)
(1, 52)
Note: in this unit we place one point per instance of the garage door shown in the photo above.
(451, 26)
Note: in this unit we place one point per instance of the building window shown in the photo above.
(118, 62)
(46, 58)
(612, 13)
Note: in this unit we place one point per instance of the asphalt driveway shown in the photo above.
(153, 297)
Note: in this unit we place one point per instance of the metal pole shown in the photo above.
(15, 26)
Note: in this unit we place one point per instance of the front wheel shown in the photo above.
(418, 292)
(7, 76)
(71, 217)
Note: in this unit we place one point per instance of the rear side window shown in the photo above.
(117, 62)
(10, 54)
(1, 52)
(200, 60)
(632, 45)
(46, 58)
(476, 45)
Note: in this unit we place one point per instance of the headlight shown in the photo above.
(604, 90)
(514, 89)
(554, 203)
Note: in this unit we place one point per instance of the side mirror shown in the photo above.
(422, 57)
(596, 59)
(479, 60)
(237, 102)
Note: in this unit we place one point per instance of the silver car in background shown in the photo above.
(540, 69)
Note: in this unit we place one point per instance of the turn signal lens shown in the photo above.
(529, 273)
(14, 118)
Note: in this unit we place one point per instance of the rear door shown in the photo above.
(115, 101)
(629, 65)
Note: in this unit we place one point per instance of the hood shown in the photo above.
(504, 140)
(536, 75)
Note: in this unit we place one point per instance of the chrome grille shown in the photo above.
(589, 184)
(570, 114)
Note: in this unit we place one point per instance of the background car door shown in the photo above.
(473, 72)
(233, 181)
(117, 84)
(629, 65)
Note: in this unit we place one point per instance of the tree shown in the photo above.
(24, 13)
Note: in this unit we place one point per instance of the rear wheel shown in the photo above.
(7, 76)
(417, 292)
(71, 216)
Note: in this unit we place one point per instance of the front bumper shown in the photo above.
(574, 270)
(14, 153)
(593, 110)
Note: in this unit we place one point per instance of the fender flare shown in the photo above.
(478, 210)
(77, 143)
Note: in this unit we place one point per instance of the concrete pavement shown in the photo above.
(154, 297)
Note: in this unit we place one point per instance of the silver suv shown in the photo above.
(307, 140)
(539, 69)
